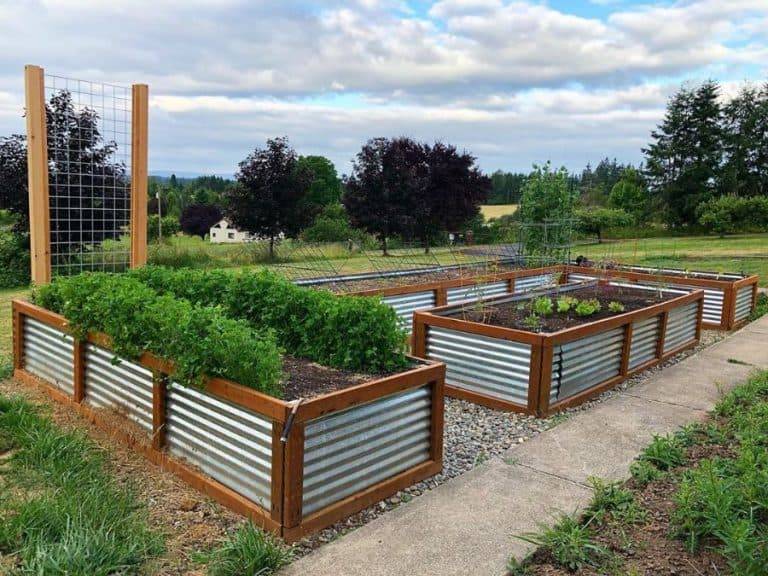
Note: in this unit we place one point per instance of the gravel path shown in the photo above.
(473, 434)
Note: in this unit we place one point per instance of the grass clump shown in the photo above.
(60, 513)
(610, 499)
(248, 551)
(350, 332)
(569, 542)
(201, 341)
(664, 452)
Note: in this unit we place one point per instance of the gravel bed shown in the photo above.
(473, 434)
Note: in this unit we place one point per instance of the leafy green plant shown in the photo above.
(351, 332)
(200, 341)
(532, 321)
(542, 306)
(569, 542)
(644, 472)
(566, 304)
(615, 307)
(248, 551)
(761, 307)
(664, 452)
(587, 307)
(611, 498)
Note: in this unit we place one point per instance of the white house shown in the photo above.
(222, 233)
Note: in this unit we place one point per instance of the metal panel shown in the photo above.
(743, 302)
(118, 384)
(580, 277)
(584, 363)
(532, 282)
(498, 368)
(645, 341)
(227, 442)
(349, 451)
(477, 291)
(49, 354)
(681, 326)
(406, 304)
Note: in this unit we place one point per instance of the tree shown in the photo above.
(326, 187)
(453, 191)
(331, 225)
(13, 180)
(595, 185)
(197, 219)
(269, 198)
(731, 214)
(506, 187)
(380, 191)
(631, 195)
(596, 220)
(745, 127)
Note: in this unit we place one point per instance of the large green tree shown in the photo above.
(630, 194)
(326, 185)
(745, 127)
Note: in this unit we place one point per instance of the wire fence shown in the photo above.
(89, 167)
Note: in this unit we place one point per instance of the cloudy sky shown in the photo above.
(515, 82)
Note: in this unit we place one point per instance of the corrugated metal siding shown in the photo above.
(713, 305)
(584, 363)
(405, 305)
(229, 443)
(49, 354)
(125, 387)
(477, 291)
(743, 302)
(645, 340)
(498, 368)
(681, 326)
(580, 277)
(532, 282)
(349, 451)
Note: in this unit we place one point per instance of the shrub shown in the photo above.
(731, 214)
(587, 307)
(14, 260)
(170, 226)
(615, 307)
(596, 220)
(331, 225)
(542, 306)
(349, 332)
(249, 551)
(761, 307)
(201, 341)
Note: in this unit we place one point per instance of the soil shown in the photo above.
(646, 549)
(514, 314)
(305, 379)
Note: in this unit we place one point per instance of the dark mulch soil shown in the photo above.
(647, 549)
(305, 379)
(513, 314)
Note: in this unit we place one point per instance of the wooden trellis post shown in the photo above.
(139, 174)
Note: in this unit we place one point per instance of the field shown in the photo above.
(498, 210)
(744, 253)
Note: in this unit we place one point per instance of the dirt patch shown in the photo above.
(514, 314)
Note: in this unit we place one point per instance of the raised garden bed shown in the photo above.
(294, 467)
(497, 357)
(728, 298)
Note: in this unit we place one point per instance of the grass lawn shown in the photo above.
(6, 321)
(498, 210)
(743, 253)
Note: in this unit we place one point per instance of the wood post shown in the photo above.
(78, 394)
(662, 335)
(441, 296)
(626, 349)
(139, 174)
(438, 420)
(159, 394)
(278, 471)
(18, 340)
(293, 480)
(37, 175)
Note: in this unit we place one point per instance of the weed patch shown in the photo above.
(248, 551)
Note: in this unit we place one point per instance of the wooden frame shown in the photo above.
(543, 346)
(285, 517)
(729, 287)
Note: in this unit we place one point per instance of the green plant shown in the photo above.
(200, 341)
(532, 321)
(761, 307)
(569, 542)
(542, 306)
(644, 472)
(615, 307)
(248, 551)
(587, 307)
(611, 498)
(566, 304)
(14, 260)
(169, 224)
(664, 452)
(351, 332)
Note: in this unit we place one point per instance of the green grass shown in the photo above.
(6, 335)
(248, 551)
(60, 512)
(746, 253)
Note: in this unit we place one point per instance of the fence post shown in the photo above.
(139, 173)
(159, 394)
(18, 339)
(662, 334)
(626, 348)
(37, 175)
(78, 392)
(293, 463)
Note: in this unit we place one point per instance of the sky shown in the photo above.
(513, 82)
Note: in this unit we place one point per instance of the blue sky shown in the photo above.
(515, 82)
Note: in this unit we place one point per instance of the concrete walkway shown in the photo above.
(467, 525)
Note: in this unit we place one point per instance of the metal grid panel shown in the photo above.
(230, 444)
(681, 326)
(89, 156)
(405, 305)
(125, 387)
(477, 291)
(645, 341)
(49, 354)
(349, 451)
(584, 363)
(498, 368)
(743, 302)
(532, 282)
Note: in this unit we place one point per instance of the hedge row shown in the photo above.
(200, 341)
(349, 332)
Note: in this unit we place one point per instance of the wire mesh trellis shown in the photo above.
(89, 168)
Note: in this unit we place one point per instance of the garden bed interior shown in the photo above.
(294, 467)
(494, 360)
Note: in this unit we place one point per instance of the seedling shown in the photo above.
(542, 306)
(587, 307)
(616, 307)
(566, 304)
(532, 321)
